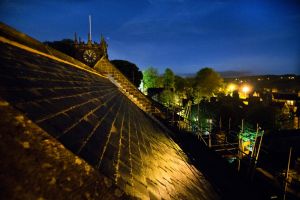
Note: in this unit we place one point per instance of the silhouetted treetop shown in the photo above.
(130, 70)
(65, 46)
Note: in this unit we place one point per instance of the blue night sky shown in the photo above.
(257, 36)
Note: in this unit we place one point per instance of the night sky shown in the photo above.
(252, 36)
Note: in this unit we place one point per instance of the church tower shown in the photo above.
(89, 53)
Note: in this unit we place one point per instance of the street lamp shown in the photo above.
(246, 89)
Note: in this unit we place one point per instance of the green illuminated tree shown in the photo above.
(248, 132)
(207, 82)
(150, 78)
(167, 98)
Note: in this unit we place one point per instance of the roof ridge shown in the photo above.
(29, 49)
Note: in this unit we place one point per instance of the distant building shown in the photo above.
(89, 53)
(252, 100)
(282, 106)
(289, 99)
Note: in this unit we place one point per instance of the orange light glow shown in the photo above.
(244, 91)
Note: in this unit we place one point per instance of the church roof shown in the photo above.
(83, 115)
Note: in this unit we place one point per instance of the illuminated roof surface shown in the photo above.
(92, 118)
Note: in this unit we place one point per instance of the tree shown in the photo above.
(169, 79)
(150, 78)
(167, 98)
(130, 70)
(179, 83)
(66, 46)
(181, 90)
(207, 82)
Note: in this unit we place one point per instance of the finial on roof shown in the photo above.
(103, 46)
(90, 30)
(75, 38)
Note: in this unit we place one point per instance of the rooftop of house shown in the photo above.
(286, 96)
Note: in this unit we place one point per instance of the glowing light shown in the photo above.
(245, 89)
(248, 138)
(231, 88)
